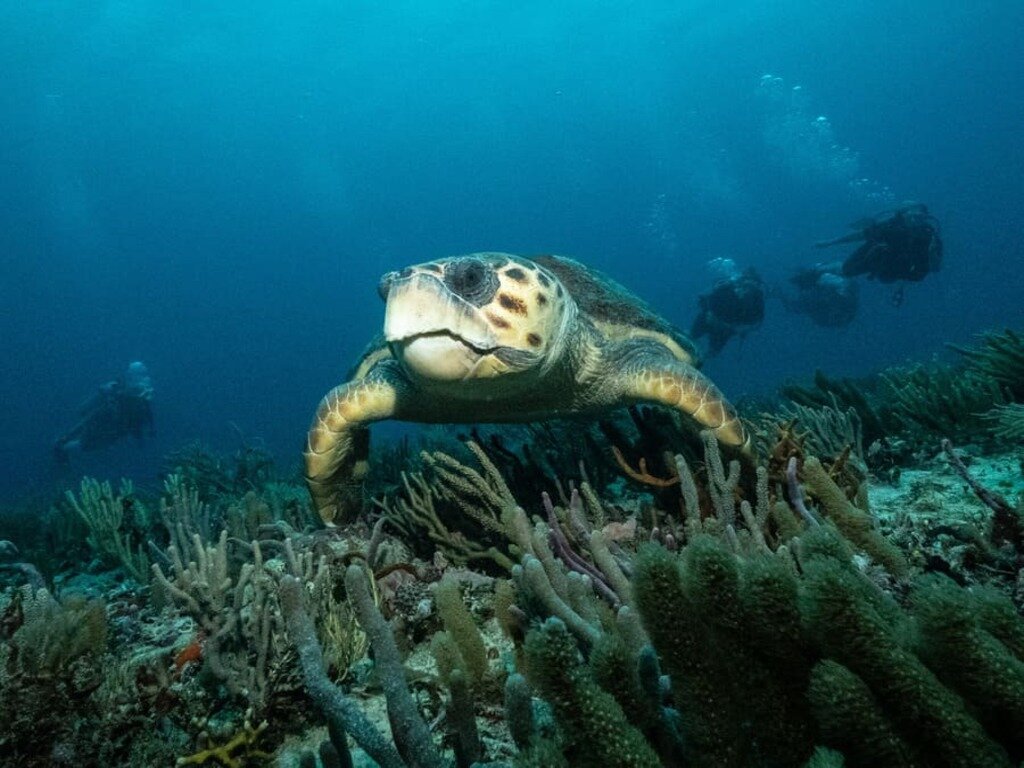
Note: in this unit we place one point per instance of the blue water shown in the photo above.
(215, 187)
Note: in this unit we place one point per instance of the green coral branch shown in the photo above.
(1007, 422)
(592, 722)
(854, 523)
(941, 399)
(103, 513)
(1001, 357)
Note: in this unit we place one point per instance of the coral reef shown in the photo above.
(110, 519)
(1007, 422)
(905, 410)
(1000, 356)
(942, 400)
(616, 593)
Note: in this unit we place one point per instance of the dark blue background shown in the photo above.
(214, 188)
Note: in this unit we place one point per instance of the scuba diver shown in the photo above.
(120, 408)
(900, 245)
(824, 294)
(734, 305)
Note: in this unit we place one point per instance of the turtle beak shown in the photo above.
(421, 304)
(436, 334)
(384, 286)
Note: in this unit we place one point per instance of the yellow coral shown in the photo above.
(245, 740)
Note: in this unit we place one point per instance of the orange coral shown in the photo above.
(642, 475)
(191, 652)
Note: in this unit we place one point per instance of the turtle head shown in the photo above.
(476, 317)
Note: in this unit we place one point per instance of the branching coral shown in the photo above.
(416, 513)
(529, 456)
(343, 640)
(481, 497)
(852, 630)
(736, 612)
(826, 431)
(412, 743)
(277, 509)
(343, 712)
(591, 721)
(722, 491)
(1000, 357)
(104, 513)
(463, 631)
(740, 633)
(248, 468)
(1007, 422)
(855, 524)
(50, 669)
(768, 604)
(902, 408)
(765, 651)
(234, 753)
(876, 417)
(202, 585)
(942, 400)
(601, 569)
(641, 474)
(536, 585)
(55, 633)
(183, 515)
(237, 612)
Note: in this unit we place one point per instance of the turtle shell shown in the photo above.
(614, 309)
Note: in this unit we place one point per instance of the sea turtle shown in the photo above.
(493, 337)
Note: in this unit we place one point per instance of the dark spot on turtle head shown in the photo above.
(543, 279)
(541, 299)
(516, 274)
(513, 304)
(435, 268)
(558, 291)
(533, 339)
(498, 322)
(405, 272)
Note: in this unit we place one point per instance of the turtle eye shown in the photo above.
(471, 279)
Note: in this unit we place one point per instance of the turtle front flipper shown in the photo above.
(656, 377)
(337, 446)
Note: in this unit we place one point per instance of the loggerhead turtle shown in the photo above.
(492, 337)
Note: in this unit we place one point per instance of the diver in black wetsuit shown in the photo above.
(901, 245)
(824, 295)
(734, 305)
(120, 408)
